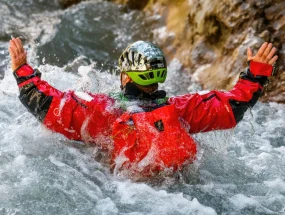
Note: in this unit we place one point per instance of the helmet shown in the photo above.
(144, 63)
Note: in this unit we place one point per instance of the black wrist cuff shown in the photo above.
(247, 75)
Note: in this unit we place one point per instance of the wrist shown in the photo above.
(26, 74)
(247, 75)
(23, 70)
(258, 69)
(17, 67)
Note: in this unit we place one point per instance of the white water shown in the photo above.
(241, 171)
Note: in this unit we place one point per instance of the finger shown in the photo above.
(271, 54)
(11, 44)
(12, 52)
(16, 42)
(262, 49)
(267, 50)
(17, 45)
(19, 41)
(14, 46)
(249, 54)
(273, 60)
(20, 44)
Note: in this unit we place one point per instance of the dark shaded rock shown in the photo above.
(133, 4)
(67, 3)
(137, 5)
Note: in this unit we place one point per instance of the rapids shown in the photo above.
(239, 171)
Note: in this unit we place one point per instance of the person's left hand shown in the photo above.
(17, 53)
(265, 54)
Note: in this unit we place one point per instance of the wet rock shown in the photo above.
(211, 37)
(133, 4)
(67, 3)
(203, 53)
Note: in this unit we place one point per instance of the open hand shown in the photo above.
(17, 53)
(264, 55)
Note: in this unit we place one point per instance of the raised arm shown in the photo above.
(218, 110)
(36, 95)
(62, 112)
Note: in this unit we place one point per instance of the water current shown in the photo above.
(239, 171)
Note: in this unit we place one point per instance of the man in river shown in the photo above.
(144, 131)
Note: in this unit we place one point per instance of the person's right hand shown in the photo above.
(264, 55)
(17, 53)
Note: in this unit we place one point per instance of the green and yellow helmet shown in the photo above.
(144, 63)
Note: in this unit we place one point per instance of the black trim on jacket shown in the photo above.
(35, 101)
(239, 108)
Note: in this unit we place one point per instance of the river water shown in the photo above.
(239, 171)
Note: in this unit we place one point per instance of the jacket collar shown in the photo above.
(132, 92)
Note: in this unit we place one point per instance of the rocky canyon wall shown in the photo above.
(210, 37)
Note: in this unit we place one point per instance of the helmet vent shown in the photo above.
(143, 77)
(151, 75)
(158, 73)
(127, 56)
(139, 58)
(163, 73)
(133, 58)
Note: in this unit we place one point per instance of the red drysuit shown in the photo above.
(98, 120)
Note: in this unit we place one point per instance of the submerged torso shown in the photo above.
(149, 137)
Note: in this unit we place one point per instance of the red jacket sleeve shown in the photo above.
(64, 112)
(221, 110)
